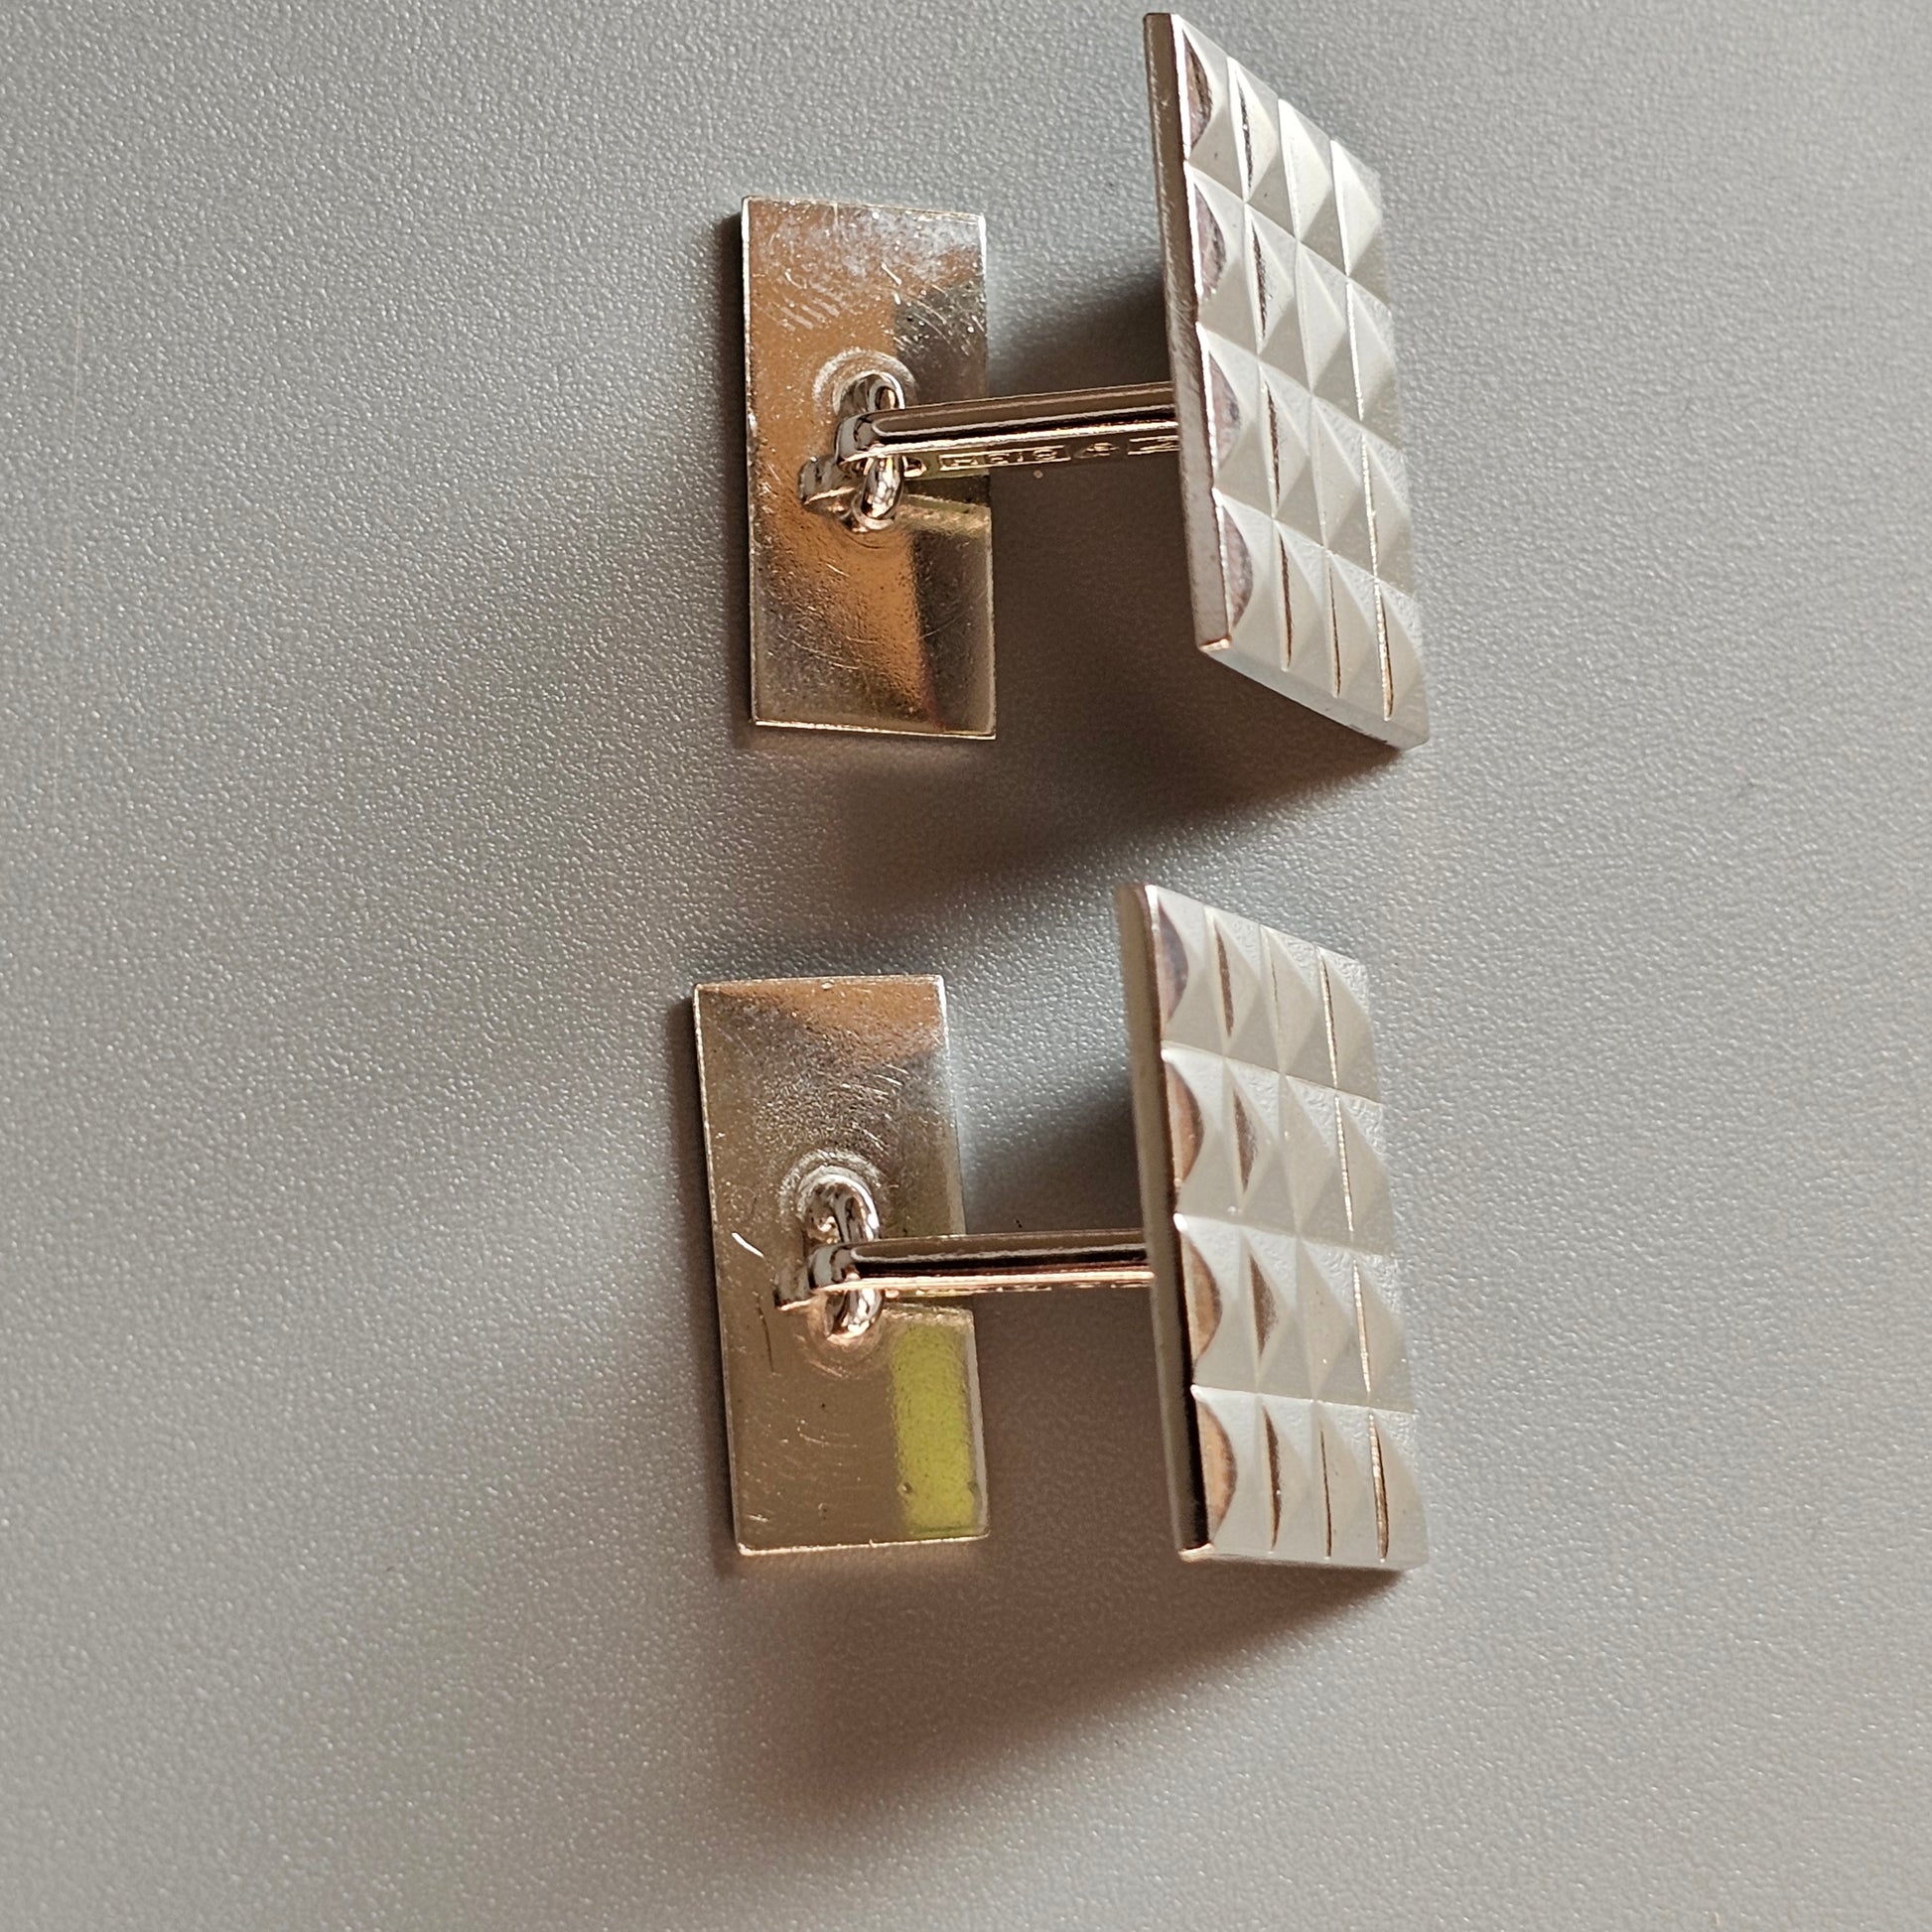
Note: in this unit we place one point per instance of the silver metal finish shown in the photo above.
(1264, 1175)
(957, 439)
(973, 439)
(1282, 408)
(887, 626)
(1295, 491)
(816, 1089)
(941, 1269)
(1266, 1248)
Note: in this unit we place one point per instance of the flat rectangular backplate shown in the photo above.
(889, 630)
(834, 1443)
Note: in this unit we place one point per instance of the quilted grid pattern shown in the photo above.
(1300, 1377)
(1276, 266)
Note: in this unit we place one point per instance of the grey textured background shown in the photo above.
(377, 787)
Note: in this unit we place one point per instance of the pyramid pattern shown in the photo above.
(1280, 1205)
(1277, 279)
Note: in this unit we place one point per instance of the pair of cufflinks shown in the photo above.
(844, 1271)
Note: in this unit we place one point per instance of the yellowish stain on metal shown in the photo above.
(933, 1428)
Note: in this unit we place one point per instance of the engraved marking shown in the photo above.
(1329, 1022)
(1218, 1467)
(1201, 98)
(1289, 662)
(1203, 1295)
(1275, 461)
(1247, 1140)
(1375, 565)
(1388, 662)
(1334, 629)
(1274, 1479)
(1328, 1499)
(1185, 1128)
(1361, 1328)
(1381, 1491)
(1227, 981)
(1171, 960)
(1262, 1300)
(1341, 1155)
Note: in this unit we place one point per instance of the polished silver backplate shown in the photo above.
(1279, 332)
(1264, 1179)
(884, 629)
(874, 1439)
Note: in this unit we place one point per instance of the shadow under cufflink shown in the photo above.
(1112, 724)
(1265, 1238)
(862, 1674)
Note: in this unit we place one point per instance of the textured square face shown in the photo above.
(1266, 1193)
(1284, 367)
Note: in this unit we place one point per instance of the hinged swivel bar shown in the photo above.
(850, 1273)
(879, 449)
(943, 1267)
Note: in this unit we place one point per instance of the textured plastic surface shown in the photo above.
(378, 789)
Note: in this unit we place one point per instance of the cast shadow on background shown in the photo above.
(505, 863)
(867, 1675)
(1113, 728)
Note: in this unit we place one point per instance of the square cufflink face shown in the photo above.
(1284, 1372)
(1279, 331)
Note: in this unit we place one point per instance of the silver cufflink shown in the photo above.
(843, 1266)
(869, 435)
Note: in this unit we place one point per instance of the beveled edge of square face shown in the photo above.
(1294, 485)
(1283, 1377)
(888, 630)
(836, 1446)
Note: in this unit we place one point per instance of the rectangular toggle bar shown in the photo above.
(942, 1267)
(969, 438)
